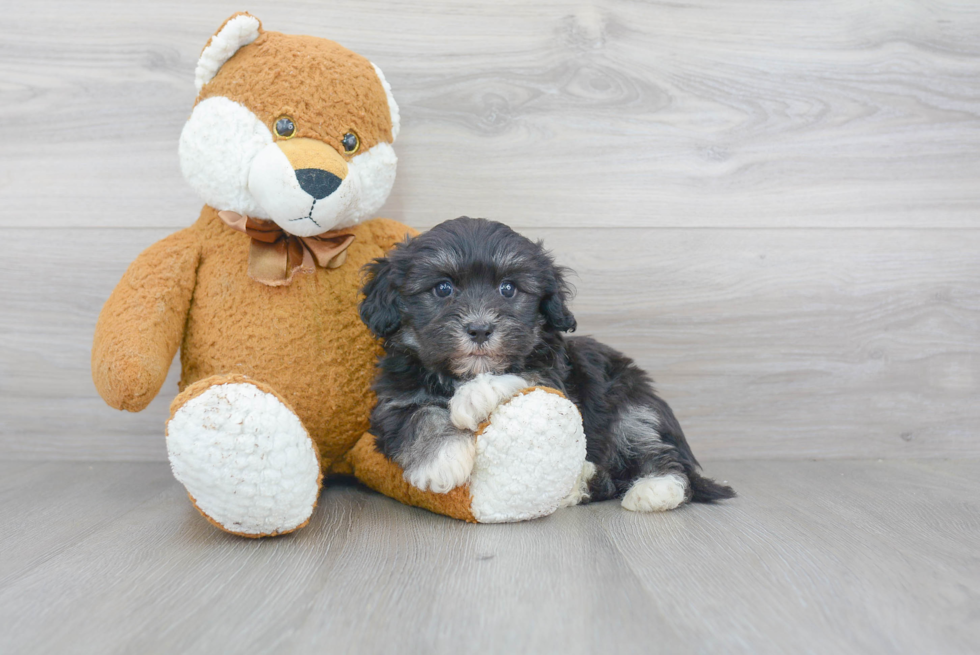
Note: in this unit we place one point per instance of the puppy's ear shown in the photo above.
(554, 304)
(556, 314)
(379, 309)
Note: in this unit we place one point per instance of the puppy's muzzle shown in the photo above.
(479, 332)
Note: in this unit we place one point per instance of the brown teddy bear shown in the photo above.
(289, 145)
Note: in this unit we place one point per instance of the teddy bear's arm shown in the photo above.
(142, 324)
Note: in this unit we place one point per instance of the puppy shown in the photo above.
(470, 313)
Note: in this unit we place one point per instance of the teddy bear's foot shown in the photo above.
(244, 456)
(530, 458)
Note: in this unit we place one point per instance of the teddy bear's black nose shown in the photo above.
(317, 182)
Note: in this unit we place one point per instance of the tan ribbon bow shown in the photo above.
(275, 254)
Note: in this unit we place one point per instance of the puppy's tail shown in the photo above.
(706, 490)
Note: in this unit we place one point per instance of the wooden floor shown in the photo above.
(813, 557)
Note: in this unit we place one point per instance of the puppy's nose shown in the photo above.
(479, 332)
(317, 182)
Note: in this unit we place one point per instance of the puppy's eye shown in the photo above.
(507, 289)
(285, 127)
(351, 143)
(444, 289)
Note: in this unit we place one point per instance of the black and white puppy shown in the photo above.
(471, 312)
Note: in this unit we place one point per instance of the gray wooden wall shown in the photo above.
(772, 205)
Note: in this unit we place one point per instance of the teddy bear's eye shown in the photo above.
(351, 143)
(285, 127)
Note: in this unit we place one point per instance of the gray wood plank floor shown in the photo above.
(813, 557)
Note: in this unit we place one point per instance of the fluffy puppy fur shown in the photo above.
(470, 312)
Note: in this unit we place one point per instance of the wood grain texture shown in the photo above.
(767, 343)
(702, 132)
(880, 556)
(48, 507)
(56, 283)
(549, 113)
(816, 557)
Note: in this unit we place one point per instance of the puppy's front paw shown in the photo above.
(657, 493)
(450, 468)
(474, 400)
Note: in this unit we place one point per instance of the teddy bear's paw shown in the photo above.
(656, 493)
(529, 458)
(246, 460)
(450, 468)
(474, 400)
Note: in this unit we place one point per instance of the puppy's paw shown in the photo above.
(474, 400)
(450, 468)
(581, 490)
(657, 493)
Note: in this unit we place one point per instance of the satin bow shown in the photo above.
(274, 254)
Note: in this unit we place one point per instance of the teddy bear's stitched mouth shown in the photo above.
(308, 216)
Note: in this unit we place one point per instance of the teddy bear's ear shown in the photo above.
(239, 30)
(392, 105)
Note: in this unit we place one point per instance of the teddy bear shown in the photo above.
(289, 144)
